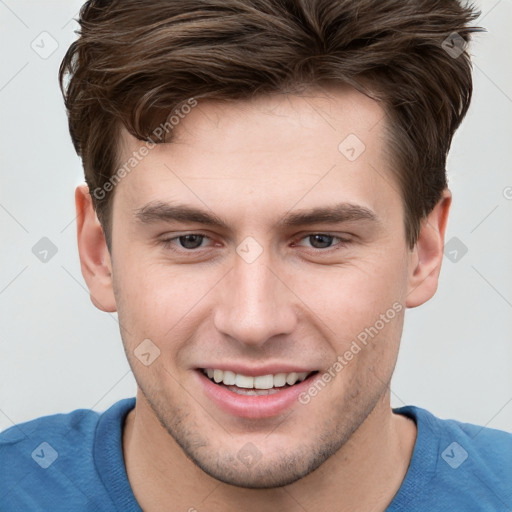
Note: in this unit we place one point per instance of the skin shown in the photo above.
(251, 163)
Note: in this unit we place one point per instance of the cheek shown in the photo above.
(350, 297)
(156, 301)
(367, 359)
(142, 296)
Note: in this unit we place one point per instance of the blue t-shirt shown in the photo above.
(74, 462)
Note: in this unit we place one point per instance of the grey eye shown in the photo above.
(191, 241)
(320, 241)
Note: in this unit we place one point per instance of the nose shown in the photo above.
(255, 303)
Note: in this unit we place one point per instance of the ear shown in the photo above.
(94, 256)
(426, 257)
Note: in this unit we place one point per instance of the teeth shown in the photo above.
(279, 380)
(243, 381)
(263, 382)
(229, 378)
(291, 378)
(254, 392)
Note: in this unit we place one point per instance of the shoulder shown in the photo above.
(457, 464)
(53, 456)
(79, 422)
(482, 446)
(44, 440)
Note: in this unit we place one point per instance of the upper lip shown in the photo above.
(255, 371)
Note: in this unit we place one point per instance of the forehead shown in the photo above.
(318, 146)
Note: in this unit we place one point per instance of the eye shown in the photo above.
(189, 241)
(324, 241)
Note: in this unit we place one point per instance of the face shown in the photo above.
(264, 248)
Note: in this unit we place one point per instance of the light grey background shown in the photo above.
(59, 353)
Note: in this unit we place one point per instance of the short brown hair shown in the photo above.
(137, 61)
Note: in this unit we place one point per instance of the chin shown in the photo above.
(263, 474)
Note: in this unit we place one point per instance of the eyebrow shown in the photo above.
(157, 211)
(342, 212)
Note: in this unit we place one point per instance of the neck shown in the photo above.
(364, 474)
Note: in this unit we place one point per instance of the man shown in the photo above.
(266, 195)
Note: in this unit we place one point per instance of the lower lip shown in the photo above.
(252, 406)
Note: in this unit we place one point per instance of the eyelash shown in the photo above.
(342, 242)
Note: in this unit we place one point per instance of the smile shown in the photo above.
(258, 385)
(254, 396)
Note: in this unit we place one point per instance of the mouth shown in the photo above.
(260, 385)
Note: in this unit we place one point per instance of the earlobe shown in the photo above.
(426, 258)
(95, 259)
